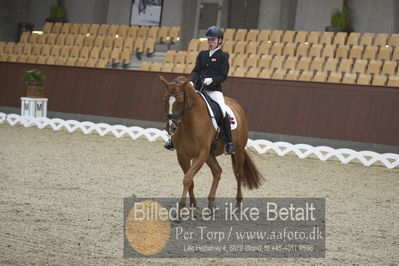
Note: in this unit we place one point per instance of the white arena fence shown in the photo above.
(367, 158)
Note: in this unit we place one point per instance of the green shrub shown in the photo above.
(34, 77)
(57, 11)
(340, 19)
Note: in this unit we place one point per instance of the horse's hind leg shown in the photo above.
(216, 173)
(237, 161)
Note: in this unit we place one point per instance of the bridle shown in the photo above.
(177, 118)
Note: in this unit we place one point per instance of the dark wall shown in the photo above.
(311, 109)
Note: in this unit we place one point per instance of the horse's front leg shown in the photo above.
(188, 180)
(185, 165)
(216, 173)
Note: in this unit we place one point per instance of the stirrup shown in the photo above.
(169, 145)
(229, 149)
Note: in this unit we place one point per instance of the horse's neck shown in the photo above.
(195, 108)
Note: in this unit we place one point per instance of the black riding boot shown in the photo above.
(229, 148)
(169, 145)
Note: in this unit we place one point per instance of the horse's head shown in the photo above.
(175, 100)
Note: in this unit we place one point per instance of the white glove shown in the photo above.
(192, 84)
(208, 81)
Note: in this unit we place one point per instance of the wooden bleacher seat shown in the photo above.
(240, 47)
(317, 64)
(381, 39)
(345, 65)
(99, 41)
(65, 28)
(289, 49)
(276, 36)
(163, 34)
(374, 67)
(240, 35)
(265, 74)
(291, 62)
(229, 34)
(24, 38)
(313, 37)
(356, 52)
(320, 76)
(113, 30)
(180, 57)
(379, 80)
(252, 47)
(366, 39)
(328, 51)
(393, 81)
(301, 37)
(353, 38)
(288, 36)
(277, 62)
(145, 66)
(75, 29)
(60, 40)
(93, 29)
(193, 45)
(56, 28)
(264, 47)
(385, 53)
(264, 61)
(47, 27)
(292, 74)
(349, 78)
(390, 68)
(359, 66)
(263, 35)
(252, 35)
(340, 38)
(335, 77)
(169, 56)
(279, 74)
(103, 30)
(370, 52)
(252, 61)
(252, 73)
(302, 50)
(276, 49)
(326, 38)
(306, 76)
(342, 51)
(315, 50)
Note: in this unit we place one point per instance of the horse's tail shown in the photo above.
(253, 179)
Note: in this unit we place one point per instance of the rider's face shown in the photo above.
(213, 43)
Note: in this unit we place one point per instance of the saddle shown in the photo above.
(215, 112)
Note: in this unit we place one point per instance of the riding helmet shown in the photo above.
(214, 32)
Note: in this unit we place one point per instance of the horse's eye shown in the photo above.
(180, 103)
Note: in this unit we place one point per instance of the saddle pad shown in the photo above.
(233, 120)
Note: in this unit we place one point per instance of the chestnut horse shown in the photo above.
(190, 126)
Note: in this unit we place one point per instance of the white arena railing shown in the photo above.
(367, 158)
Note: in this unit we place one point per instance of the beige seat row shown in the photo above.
(289, 36)
(159, 34)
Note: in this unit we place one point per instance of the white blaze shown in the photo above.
(172, 100)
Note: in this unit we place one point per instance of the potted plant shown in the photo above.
(57, 13)
(340, 21)
(34, 79)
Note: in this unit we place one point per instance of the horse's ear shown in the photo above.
(183, 86)
(164, 81)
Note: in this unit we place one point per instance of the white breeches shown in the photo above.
(217, 96)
